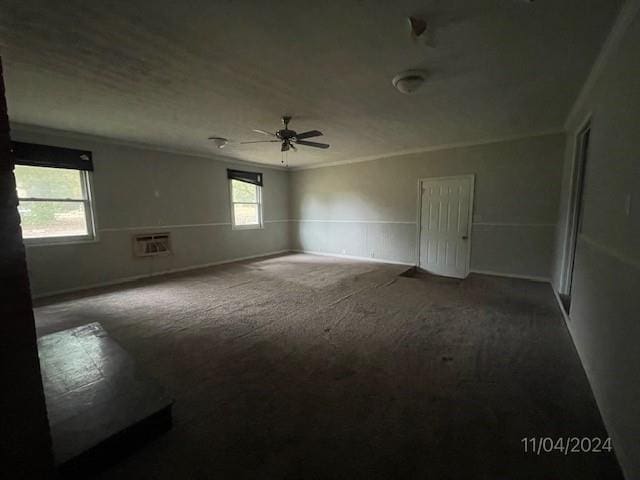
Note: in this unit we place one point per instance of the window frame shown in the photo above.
(253, 226)
(86, 184)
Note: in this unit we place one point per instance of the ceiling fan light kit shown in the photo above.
(289, 139)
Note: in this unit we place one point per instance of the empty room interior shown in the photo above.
(320, 240)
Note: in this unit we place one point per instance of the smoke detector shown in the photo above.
(409, 81)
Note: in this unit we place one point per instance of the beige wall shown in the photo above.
(139, 191)
(364, 209)
(605, 312)
(369, 209)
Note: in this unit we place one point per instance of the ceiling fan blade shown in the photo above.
(309, 134)
(262, 141)
(312, 144)
(264, 132)
(293, 147)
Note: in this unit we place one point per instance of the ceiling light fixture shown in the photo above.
(219, 142)
(409, 81)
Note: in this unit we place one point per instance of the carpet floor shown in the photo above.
(309, 367)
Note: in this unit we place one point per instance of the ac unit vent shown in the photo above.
(153, 244)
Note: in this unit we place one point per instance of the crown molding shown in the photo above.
(625, 17)
(67, 134)
(446, 146)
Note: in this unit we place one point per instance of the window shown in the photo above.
(246, 204)
(54, 201)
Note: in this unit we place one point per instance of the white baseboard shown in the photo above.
(412, 264)
(513, 275)
(353, 257)
(133, 278)
(567, 319)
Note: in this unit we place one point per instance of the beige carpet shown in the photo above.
(302, 366)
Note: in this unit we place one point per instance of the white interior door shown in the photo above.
(445, 234)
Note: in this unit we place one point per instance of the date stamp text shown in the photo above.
(566, 445)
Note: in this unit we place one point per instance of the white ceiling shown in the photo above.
(170, 73)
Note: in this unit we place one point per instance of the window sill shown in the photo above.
(53, 241)
(247, 227)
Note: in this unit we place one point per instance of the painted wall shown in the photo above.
(369, 209)
(605, 312)
(139, 190)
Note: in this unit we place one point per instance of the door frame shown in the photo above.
(576, 190)
(470, 176)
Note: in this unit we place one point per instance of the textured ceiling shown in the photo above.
(171, 74)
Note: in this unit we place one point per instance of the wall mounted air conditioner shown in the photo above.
(151, 245)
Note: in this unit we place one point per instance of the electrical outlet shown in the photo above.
(372, 254)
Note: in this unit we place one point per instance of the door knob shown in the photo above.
(464, 237)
